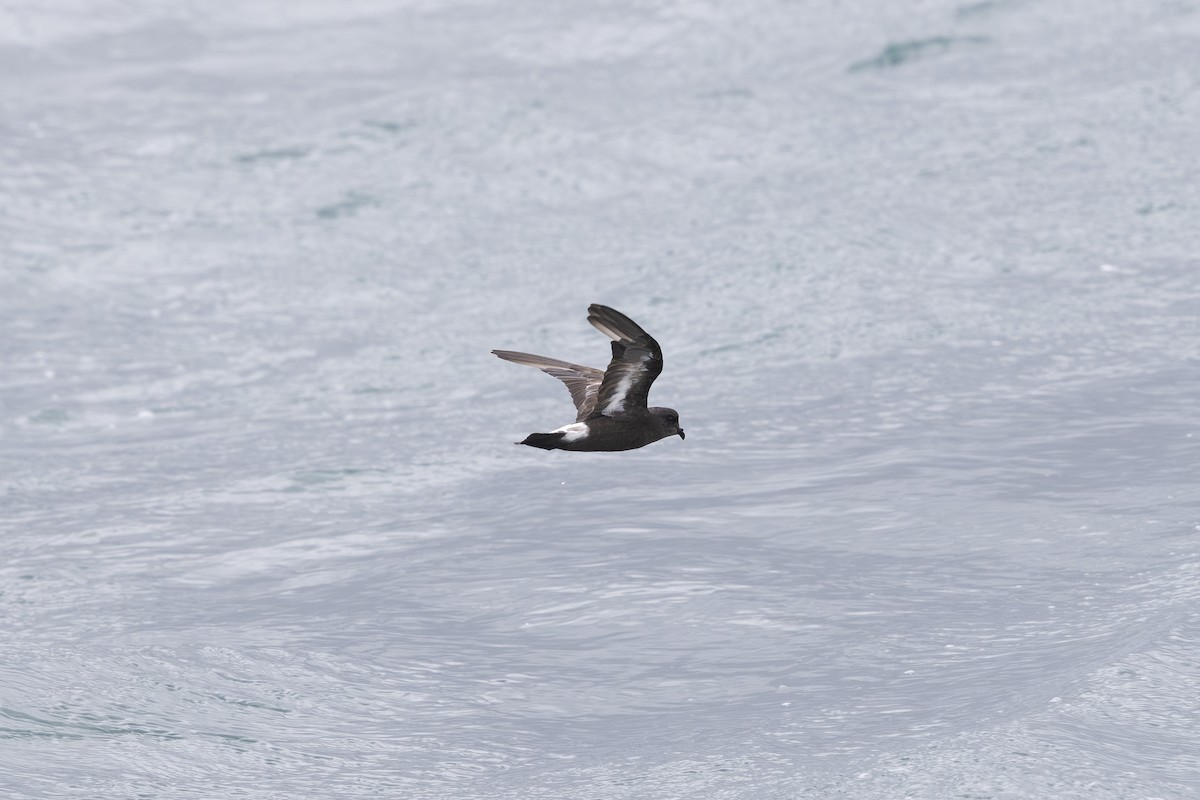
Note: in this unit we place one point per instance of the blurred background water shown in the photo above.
(925, 276)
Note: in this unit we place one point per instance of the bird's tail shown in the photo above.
(546, 441)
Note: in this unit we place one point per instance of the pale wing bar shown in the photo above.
(636, 362)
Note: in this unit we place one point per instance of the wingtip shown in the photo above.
(613, 323)
(599, 311)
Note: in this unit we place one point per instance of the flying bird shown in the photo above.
(611, 412)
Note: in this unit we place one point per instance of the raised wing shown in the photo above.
(582, 382)
(636, 361)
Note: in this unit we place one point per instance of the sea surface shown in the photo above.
(926, 275)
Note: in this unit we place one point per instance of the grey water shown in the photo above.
(927, 279)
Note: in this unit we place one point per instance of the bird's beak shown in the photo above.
(681, 436)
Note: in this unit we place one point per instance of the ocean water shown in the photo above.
(926, 279)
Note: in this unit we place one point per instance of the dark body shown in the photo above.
(610, 434)
(612, 413)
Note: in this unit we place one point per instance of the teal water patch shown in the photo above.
(278, 154)
(900, 53)
(327, 479)
(50, 416)
(81, 726)
(983, 8)
(388, 126)
(351, 204)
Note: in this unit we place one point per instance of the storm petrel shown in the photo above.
(610, 404)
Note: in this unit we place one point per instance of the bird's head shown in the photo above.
(668, 421)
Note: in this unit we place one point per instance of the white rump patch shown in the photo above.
(573, 432)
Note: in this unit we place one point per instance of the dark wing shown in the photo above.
(636, 361)
(582, 382)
